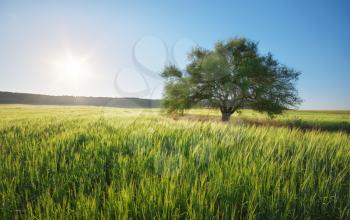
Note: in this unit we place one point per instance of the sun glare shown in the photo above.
(71, 69)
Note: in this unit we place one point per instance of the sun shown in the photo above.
(71, 69)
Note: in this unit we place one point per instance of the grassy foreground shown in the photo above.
(90, 162)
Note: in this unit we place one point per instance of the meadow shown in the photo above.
(110, 163)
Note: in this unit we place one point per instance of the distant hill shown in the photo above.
(37, 99)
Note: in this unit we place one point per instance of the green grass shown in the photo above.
(304, 120)
(90, 162)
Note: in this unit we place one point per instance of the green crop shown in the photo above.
(105, 163)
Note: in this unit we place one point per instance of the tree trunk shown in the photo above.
(225, 116)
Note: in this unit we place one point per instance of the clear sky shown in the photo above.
(115, 48)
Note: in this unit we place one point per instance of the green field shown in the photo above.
(107, 163)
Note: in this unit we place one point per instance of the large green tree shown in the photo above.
(233, 75)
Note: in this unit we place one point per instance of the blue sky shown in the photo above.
(115, 48)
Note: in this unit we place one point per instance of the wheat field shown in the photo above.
(105, 163)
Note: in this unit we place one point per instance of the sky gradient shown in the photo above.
(124, 45)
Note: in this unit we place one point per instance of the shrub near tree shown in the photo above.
(231, 76)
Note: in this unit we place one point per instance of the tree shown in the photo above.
(231, 76)
(176, 98)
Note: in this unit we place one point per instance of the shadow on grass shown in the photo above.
(303, 125)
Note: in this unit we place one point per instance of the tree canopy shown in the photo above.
(233, 75)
